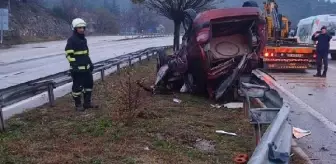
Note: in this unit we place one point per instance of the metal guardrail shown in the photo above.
(265, 106)
(17, 93)
(143, 35)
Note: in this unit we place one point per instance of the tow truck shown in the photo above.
(282, 52)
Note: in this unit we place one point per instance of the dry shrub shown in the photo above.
(129, 99)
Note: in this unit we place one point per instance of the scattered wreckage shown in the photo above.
(218, 47)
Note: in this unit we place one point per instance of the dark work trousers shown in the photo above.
(82, 83)
(322, 57)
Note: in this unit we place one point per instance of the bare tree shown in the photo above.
(142, 17)
(69, 10)
(105, 22)
(124, 22)
(174, 10)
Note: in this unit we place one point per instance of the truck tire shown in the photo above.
(333, 56)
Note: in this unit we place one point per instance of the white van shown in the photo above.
(308, 26)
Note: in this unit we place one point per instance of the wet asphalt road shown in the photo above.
(320, 95)
(33, 61)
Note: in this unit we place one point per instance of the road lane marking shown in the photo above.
(330, 125)
(11, 74)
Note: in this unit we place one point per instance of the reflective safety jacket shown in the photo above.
(77, 53)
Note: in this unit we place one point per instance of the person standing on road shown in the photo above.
(81, 67)
(322, 49)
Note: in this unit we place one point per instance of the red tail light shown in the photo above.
(269, 54)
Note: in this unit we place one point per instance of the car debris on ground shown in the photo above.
(232, 105)
(224, 132)
(299, 133)
(177, 100)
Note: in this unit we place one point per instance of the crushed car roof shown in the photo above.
(206, 16)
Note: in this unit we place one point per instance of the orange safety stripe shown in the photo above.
(302, 50)
(285, 60)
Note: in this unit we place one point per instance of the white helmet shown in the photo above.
(78, 22)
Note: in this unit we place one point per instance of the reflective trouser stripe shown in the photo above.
(81, 52)
(84, 67)
(87, 90)
(76, 94)
(81, 67)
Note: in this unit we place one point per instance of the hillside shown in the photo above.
(30, 22)
(42, 20)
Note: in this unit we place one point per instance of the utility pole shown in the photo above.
(9, 6)
(2, 21)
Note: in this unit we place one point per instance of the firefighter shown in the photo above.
(81, 67)
(322, 49)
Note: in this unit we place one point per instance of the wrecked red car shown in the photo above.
(218, 46)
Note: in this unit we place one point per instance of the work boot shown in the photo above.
(78, 104)
(318, 74)
(79, 108)
(90, 106)
(324, 74)
(87, 101)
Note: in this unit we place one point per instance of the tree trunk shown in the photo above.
(177, 26)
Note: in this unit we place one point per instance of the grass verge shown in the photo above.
(160, 131)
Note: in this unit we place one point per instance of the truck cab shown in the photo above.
(332, 44)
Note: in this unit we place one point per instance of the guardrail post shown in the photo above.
(246, 103)
(246, 107)
(51, 95)
(102, 74)
(2, 121)
(257, 133)
(129, 61)
(147, 56)
(139, 58)
(118, 68)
